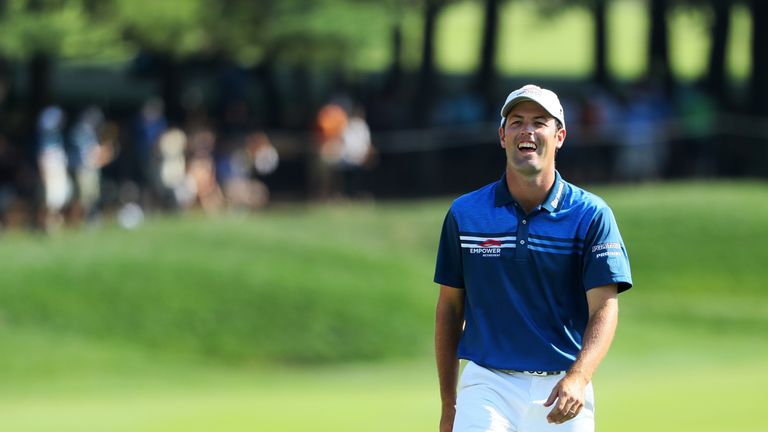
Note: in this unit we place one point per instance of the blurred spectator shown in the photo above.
(248, 165)
(52, 163)
(465, 108)
(695, 154)
(263, 154)
(643, 150)
(592, 137)
(173, 188)
(330, 123)
(356, 154)
(150, 126)
(201, 170)
(89, 154)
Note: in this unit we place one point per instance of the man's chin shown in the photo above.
(526, 169)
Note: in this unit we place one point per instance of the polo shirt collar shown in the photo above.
(556, 194)
(552, 203)
(503, 197)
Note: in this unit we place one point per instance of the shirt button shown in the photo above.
(522, 241)
(525, 221)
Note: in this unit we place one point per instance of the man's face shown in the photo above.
(530, 139)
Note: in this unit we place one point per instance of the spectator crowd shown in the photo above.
(84, 165)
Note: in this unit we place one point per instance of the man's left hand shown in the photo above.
(567, 397)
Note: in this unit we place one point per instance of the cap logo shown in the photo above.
(531, 91)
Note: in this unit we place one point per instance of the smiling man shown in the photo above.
(529, 269)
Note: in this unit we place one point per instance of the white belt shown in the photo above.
(531, 373)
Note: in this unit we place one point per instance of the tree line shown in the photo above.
(266, 34)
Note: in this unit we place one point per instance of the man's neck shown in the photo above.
(531, 191)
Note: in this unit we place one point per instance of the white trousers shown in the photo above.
(494, 401)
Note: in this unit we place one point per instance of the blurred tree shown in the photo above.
(166, 33)
(4, 72)
(427, 85)
(758, 82)
(325, 37)
(486, 77)
(659, 71)
(598, 9)
(39, 32)
(173, 37)
(600, 57)
(719, 13)
(395, 70)
(291, 36)
(719, 30)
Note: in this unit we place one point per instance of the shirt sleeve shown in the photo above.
(605, 257)
(449, 269)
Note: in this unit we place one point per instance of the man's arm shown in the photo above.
(603, 305)
(449, 319)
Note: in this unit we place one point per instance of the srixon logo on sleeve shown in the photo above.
(605, 250)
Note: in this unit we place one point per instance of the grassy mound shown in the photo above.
(301, 284)
(353, 282)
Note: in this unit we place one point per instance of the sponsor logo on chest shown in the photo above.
(486, 247)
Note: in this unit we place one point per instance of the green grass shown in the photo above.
(231, 288)
(689, 354)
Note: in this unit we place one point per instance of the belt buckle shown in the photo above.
(530, 373)
(546, 373)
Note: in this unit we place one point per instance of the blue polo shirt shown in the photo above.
(526, 276)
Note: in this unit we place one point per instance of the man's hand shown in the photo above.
(567, 397)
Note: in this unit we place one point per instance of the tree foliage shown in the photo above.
(177, 28)
(63, 28)
(323, 30)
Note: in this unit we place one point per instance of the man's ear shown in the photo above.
(502, 137)
(560, 135)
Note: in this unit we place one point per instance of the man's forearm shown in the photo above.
(448, 324)
(568, 396)
(598, 337)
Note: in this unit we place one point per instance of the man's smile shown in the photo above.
(527, 147)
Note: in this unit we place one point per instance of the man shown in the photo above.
(529, 269)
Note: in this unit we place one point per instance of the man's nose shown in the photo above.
(528, 128)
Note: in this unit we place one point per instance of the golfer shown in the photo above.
(529, 269)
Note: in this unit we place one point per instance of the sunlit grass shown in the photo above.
(691, 333)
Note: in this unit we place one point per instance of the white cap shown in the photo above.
(546, 98)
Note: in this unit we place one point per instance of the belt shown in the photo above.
(531, 373)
